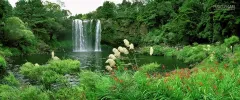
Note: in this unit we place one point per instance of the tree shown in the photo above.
(5, 11)
(107, 10)
(16, 33)
(45, 19)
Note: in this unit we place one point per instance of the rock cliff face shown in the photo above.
(114, 31)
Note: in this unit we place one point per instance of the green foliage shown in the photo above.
(159, 50)
(15, 30)
(51, 73)
(3, 63)
(5, 52)
(61, 45)
(107, 10)
(11, 80)
(215, 78)
(212, 82)
(26, 93)
(72, 93)
(49, 77)
(171, 22)
(149, 68)
(46, 20)
(88, 79)
(154, 37)
(5, 10)
(189, 54)
(64, 66)
(193, 54)
(231, 41)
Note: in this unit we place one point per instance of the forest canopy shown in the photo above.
(168, 21)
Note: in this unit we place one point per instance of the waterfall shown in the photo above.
(86, 35)
(98, 36)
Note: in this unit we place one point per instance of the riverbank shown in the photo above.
(214, 76)
(209, 79)
(192, 54)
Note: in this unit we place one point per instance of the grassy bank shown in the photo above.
(215, 76)
(208, 80)
(193, 54)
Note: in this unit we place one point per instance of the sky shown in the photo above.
(78, 6)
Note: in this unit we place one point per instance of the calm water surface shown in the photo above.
(96, 60)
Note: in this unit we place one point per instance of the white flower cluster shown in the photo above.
(212, 56)
(207, 48)
(37, 65)
(117, 54)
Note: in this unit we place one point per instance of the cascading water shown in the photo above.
(98, 36)
(86, 35)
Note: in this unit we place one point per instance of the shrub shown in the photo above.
(159, 50)
(33, 93)
(88, 79)
(3, 63)
(50, 77)
(72, 93)
(5, 52)
(193, 54)
(149, 68)
(64, 66)
(26, 93)
(11, 80)
(16, 32)
(31, 71)
(231, 41)
(51, 73)
(9, 93)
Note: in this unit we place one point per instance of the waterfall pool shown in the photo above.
(96, 60)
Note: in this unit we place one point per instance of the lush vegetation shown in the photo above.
(198, 32)
(33, 26)
(196, 53)
(168, 21)
(210, 79)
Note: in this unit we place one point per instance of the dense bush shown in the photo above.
(51, 73)
(11, 89)
(11, 80)
(64, 66)
(3, 63)
(212, 78)
(212, 83)
(190, 54)
(26, 93)
(68, 93)
(231, 41)
(193, 54)
(15, 30)
(160, 50)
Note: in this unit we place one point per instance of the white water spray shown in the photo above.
(86, 36)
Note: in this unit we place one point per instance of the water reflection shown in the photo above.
(92, 60)
(96, 60)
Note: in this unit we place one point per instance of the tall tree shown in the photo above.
(45, 19)
(5, 12)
